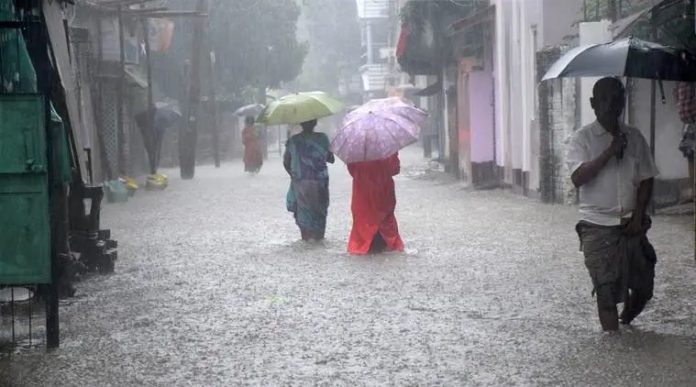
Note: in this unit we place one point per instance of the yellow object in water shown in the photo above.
(156, 182)
(131, 184)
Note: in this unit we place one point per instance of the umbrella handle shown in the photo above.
(662, 91)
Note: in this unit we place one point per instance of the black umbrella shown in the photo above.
(630, 57)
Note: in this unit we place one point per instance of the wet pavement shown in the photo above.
(213, 287)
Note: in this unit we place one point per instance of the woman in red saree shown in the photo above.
(253, 155)
(373, 204)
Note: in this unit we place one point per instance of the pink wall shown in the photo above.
(481, 116)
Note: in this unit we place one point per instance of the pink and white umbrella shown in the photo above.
(377, 130)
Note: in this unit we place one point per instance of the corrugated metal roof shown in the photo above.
(373, 9)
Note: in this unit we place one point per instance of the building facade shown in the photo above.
(374, 31)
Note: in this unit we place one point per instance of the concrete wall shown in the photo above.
(564, 125)
(558, 119)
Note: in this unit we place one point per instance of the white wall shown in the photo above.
(530, 14)
(522, 28)
(515, 67)
(507, 73)
(500, 76)
(516, 96)
(668, 127)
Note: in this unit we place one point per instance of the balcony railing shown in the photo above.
(374, 76)
(373, 9)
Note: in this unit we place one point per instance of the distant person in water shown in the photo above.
(253, 155)
(374, 200)
(306, 155)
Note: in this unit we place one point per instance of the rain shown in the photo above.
(347, 192)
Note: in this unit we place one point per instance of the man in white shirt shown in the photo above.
(612, 166)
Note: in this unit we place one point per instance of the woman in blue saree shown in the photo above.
(306, 155)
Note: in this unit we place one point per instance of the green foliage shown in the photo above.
(415, 13)
(424, 56)
(674, 22)
(593, 10)
(333, 33)
(240, 33)
(255, 42)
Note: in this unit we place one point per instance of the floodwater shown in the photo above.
(213, 287)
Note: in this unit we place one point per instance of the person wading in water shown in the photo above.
(612, 166)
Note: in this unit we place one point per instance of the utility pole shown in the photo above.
(612, 10)
(214, 108)
(264, 135)
(262, 98)
(121, 89)
(189, 134)
(150, 99)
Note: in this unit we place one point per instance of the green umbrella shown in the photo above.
(299, 107)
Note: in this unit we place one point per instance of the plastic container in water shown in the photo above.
(116, 191)
(156, 182)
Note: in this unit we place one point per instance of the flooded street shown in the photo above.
(168, 271)
(213, 287)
